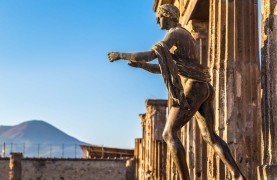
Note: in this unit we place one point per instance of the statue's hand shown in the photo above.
(135, 64)
(114, 56)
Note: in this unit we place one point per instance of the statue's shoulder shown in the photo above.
(184, 29)
(179, 28)
(180, 31)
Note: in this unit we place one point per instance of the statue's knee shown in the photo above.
(167, 136)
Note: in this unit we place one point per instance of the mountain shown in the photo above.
(38, 138)
(35, 131)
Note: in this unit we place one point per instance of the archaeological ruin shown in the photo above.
(227, 39)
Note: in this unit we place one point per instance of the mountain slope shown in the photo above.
(35, 131)
(38, 138)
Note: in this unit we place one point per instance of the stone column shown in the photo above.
(15, 166)
(233, 59)
(150, 151)
(155, 118)
(268, 169)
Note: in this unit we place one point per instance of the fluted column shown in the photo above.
(233, 59)
(268, 169)
(150, 151)
(155, 118)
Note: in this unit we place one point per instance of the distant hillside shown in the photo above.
(27, 135)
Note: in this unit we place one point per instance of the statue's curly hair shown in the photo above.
(169, 11)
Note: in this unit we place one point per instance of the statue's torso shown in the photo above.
(184, 54)
(184, 48)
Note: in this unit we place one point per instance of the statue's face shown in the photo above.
(163, 22)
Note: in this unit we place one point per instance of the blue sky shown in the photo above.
(54, 66)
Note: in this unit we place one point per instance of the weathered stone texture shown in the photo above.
(4, 168)
(268, 169)
(77, 169)
(269, 80)
(233, 58)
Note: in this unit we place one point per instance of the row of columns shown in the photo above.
(233, 59)
(150, 150)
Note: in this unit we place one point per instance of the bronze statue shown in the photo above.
(188, 86)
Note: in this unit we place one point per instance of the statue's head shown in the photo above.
(167, 13)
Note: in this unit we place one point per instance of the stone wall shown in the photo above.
(4, 168)
(77, 169)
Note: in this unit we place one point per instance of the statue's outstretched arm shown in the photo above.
(134, 57)
(153, 68)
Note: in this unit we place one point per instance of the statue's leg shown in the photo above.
(206, 123)
(174, 122)
(196, 93)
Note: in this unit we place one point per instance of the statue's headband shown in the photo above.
(169, 10)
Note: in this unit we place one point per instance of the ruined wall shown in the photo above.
(4, 168)
(77, 169)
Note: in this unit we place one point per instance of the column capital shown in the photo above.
(142, 119)
(156, 102)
